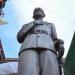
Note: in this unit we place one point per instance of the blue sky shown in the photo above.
(19, 12)
(8, 32)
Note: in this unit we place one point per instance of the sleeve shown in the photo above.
(53, 32)
(21, 35)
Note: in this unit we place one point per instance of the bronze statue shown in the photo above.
(38, 53)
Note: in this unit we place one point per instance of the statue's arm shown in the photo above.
(21, 34)
(59, 43)
(53, 32)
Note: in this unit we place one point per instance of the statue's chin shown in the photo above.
(38, 16)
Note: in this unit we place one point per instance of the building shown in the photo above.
(2, 55)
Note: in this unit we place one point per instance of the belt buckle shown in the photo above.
(40, 31)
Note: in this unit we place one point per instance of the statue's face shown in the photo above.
(38, 13)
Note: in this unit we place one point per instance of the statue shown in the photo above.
(39, 50)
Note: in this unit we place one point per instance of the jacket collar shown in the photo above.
(39, 22)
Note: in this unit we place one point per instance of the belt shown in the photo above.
(38, 32)
(37, 49)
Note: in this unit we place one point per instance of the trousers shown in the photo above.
(32, 62)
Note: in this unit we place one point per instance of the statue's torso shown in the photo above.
(39, 40)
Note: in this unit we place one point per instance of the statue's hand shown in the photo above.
(58, 43)
(59, 47)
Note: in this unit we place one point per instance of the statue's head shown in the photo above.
(38, 13)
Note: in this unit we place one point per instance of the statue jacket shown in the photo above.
(41, 35)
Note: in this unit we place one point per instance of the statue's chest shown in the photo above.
(42, 27)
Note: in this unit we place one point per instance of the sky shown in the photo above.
(19, 12)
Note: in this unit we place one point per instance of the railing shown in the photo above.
(16, 60)
(9, 60)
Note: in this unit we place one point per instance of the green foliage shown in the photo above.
(69, 66)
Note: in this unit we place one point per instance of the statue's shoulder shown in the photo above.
(30, 23)
(48, 23)
(27, 24)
